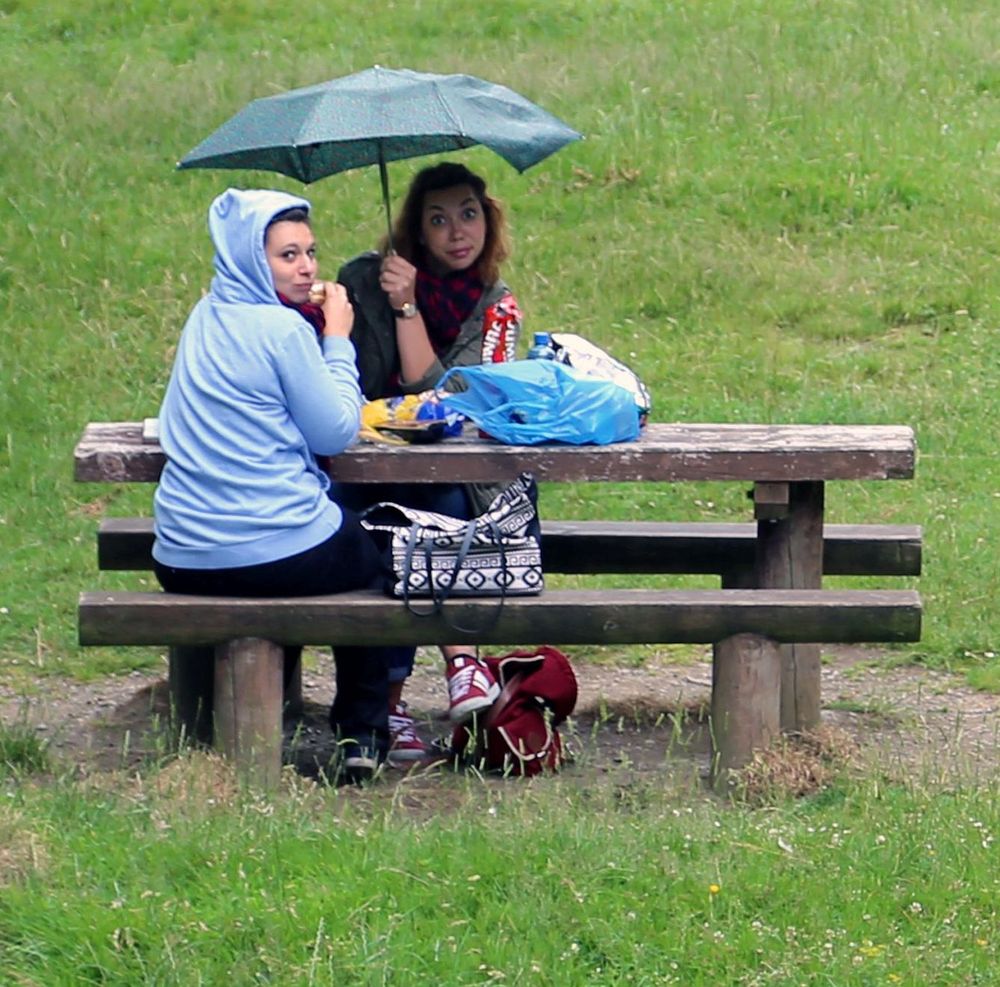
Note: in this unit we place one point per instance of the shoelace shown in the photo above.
(401, 728)
(462, 681)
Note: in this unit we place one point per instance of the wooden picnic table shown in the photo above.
(127, 452)
(788, 467)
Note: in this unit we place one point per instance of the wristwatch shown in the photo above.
(408, 311)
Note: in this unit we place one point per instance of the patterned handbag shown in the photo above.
(436, 557)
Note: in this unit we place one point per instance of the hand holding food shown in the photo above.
(337, 309)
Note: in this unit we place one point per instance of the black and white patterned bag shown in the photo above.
(435, 556)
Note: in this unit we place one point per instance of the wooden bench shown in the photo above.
(746, 627)
(714, 548)
(724, 549)
(765, 677)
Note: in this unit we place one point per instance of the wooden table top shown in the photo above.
(116, 452)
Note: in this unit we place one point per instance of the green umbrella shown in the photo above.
(376, 116)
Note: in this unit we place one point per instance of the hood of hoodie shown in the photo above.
(237, 221)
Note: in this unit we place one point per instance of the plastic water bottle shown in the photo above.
(542, 348)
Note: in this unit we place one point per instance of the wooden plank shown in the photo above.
(790, 556)
(746, 701)
(115, 452)
(248, 694)
(628, 547)
(770, 500)
(599, 616)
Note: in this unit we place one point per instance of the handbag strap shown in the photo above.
(412, 540)
(497, 537)
(448, 583)
(440, 596)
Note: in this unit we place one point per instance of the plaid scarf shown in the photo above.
(313, 314)
(446, 302)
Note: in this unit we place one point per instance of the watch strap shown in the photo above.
(408, 311)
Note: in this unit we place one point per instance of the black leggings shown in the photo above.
(349, 559)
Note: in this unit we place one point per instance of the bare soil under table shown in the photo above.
(630, 722)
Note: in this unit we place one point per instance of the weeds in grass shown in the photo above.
(795, 766)
(22, 750)
(986, 676)
(881, 709)
(186, 877)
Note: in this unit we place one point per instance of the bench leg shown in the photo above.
(191, 678)
(790, 556)
(249, 675)
(294, 703)
(746, 701)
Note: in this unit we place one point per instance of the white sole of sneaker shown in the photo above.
(406, 758)
(360, 763)
(462, 712)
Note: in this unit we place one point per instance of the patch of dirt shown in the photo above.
(910, 722)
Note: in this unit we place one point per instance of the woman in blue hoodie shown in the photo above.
(242, 506)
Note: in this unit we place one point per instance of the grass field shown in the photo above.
(776, 216)
(781, 212)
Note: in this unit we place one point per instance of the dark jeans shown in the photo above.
(443, 498)
(348, 560)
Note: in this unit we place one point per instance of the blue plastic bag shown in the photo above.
(527, 402)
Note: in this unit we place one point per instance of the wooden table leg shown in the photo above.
(249, 675)
(746, 684)
(790, 556)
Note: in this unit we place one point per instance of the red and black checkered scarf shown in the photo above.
(446, 302)
(313, 314)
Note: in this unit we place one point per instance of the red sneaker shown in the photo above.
(471, 687)
(405, 745)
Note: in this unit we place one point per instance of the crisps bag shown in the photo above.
(519, 733)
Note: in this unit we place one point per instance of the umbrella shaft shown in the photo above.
(384, 176)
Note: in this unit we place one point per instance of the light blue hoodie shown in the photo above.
(251, 398)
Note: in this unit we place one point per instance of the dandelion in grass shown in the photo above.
(714, 889)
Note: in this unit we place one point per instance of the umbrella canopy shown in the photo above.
(376, 116)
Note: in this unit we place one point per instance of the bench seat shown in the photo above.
(566, 616)
(707, 547)
(745, 626)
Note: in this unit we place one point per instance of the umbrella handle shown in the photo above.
(384, 176)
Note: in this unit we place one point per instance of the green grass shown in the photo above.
(781, 212)
(777, 215)
(179, 881)
(22, 751)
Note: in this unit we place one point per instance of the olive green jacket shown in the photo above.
(374, 338)
(374, 333)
